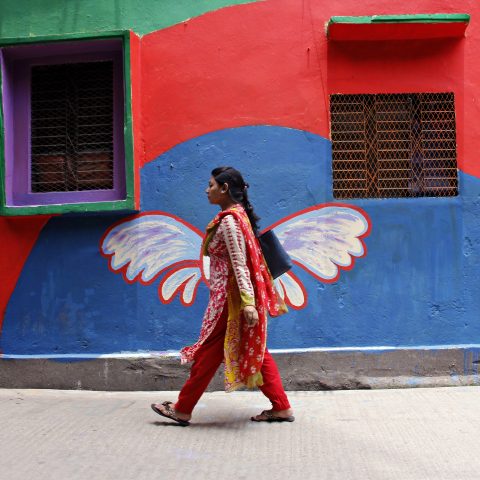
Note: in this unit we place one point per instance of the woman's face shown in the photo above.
(214, 192)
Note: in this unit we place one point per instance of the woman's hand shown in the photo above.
(251, 315)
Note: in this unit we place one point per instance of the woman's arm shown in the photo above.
(237, 251)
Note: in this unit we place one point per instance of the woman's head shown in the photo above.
(228, 180)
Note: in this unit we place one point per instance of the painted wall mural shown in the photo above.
(321, 239)
(404, 292)
(112, 283)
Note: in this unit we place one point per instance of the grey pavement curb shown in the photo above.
(324, 370)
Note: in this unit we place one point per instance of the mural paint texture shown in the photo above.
(320, 239)
(248, 86)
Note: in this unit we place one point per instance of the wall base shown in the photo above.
(311, 370)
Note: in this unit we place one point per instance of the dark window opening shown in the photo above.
(393, 145)
(72, 127)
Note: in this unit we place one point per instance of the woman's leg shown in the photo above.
(207, 360)
(272, 386)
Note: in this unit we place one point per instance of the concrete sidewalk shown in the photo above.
(376, 434)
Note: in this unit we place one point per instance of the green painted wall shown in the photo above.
(20, 18)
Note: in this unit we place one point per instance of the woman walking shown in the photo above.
(242, 294)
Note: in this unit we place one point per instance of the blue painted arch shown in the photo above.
(416, 286)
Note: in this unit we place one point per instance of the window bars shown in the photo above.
(393, 145)
(72, 127)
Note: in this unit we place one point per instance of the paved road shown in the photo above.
(378, 434)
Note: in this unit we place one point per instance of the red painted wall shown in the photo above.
(18, 237)
(270, 63)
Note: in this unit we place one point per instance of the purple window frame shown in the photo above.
(16, 63)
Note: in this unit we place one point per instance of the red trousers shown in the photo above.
(207, 360)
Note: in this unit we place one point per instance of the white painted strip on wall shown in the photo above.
(92, 356)
(176, 354)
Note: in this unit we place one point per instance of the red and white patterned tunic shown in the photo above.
(227, 251)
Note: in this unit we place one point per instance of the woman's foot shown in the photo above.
(167, 409)
(274, 416)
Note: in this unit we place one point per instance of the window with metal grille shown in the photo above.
(393, 145)
(67, 129)
(72, 127)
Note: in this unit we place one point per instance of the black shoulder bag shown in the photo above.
(278, 260)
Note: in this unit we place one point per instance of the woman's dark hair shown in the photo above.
(237, 189)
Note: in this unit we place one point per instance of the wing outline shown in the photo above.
(292, 290)
(183, 272)
(285, 225)
(186, 286)
(145, 246)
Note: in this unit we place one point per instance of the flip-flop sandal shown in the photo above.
(170, 413)
(270, 417)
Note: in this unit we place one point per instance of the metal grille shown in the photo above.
(72, 127)
(394, 145)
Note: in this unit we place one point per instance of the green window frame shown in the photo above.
(127, 202)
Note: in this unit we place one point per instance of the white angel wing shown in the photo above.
(147, 245)
(324, 239)
(291, 290)
(184, 280)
